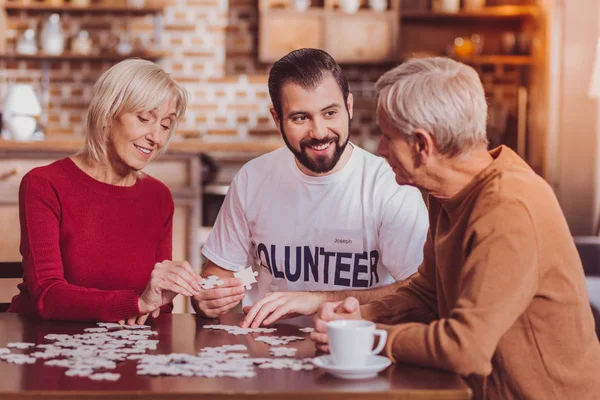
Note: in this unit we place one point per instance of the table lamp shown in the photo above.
(21, 106)
(595, 85)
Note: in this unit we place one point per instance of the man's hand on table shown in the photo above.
(330, 311)
(278, 305)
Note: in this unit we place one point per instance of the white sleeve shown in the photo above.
(403, 231)
(229, 243)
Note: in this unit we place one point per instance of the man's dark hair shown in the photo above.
(307, 68)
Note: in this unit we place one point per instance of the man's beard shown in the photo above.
(320, 164)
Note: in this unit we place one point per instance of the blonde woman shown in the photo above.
(95, 230)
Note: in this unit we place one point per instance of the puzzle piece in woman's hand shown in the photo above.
(211, 282)
(247, 276)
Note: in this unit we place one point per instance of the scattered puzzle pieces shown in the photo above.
(107, 376)
(211, 282)
(20, 345)
(97, 352)
(278, 340)
(18, 358)
(291, 363)
(95, 330)
(109, 325)
(283, 351)
(248, 276)
(80, 372)
(236, 330)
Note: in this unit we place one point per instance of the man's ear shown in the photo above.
(350, 105)
(275, 118)
(423, 145)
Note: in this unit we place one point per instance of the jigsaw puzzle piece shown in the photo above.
(211, 282)
(248, 277)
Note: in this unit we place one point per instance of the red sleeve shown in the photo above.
(165, 247)
(53, 296)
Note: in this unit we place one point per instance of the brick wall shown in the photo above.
(210, 48)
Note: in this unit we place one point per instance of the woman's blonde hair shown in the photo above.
(131, 86)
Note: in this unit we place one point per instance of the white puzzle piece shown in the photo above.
(278, 340)
(211, 282)
(283, 351)
(107, 376)
(20, 345)
(237, 330)
(248, 276)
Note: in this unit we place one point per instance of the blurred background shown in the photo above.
(535, 58)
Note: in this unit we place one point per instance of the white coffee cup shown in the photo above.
(351, 341)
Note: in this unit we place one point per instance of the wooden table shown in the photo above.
(183, 333)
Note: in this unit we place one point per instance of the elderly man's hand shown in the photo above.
(274, 306)
(347, 309)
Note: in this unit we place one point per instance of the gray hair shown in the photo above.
(440, 95)
(133, 85)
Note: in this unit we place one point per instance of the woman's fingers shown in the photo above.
(183, 285)
(194, 277)
(182, 269)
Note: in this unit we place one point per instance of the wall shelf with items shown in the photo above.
(496, 60)
(491, 12)
(85, 30)
(8, 8)
(500, 39)
(71, 8)
(343, 28)
(150, 55)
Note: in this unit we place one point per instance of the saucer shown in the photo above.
(375, 364)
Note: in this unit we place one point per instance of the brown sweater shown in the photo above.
(500, 297)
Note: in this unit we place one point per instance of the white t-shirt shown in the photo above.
(353, 229)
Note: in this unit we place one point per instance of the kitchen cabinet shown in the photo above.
(363, 37)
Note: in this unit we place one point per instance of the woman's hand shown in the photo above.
(139, 320)
(167, 280)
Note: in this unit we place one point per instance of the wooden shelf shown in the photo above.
(151, 55)
(497, 12)
(485, 59)
(334, 12)
(95, 8)
(496, 60)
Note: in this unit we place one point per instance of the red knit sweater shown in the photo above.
(89, 247)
